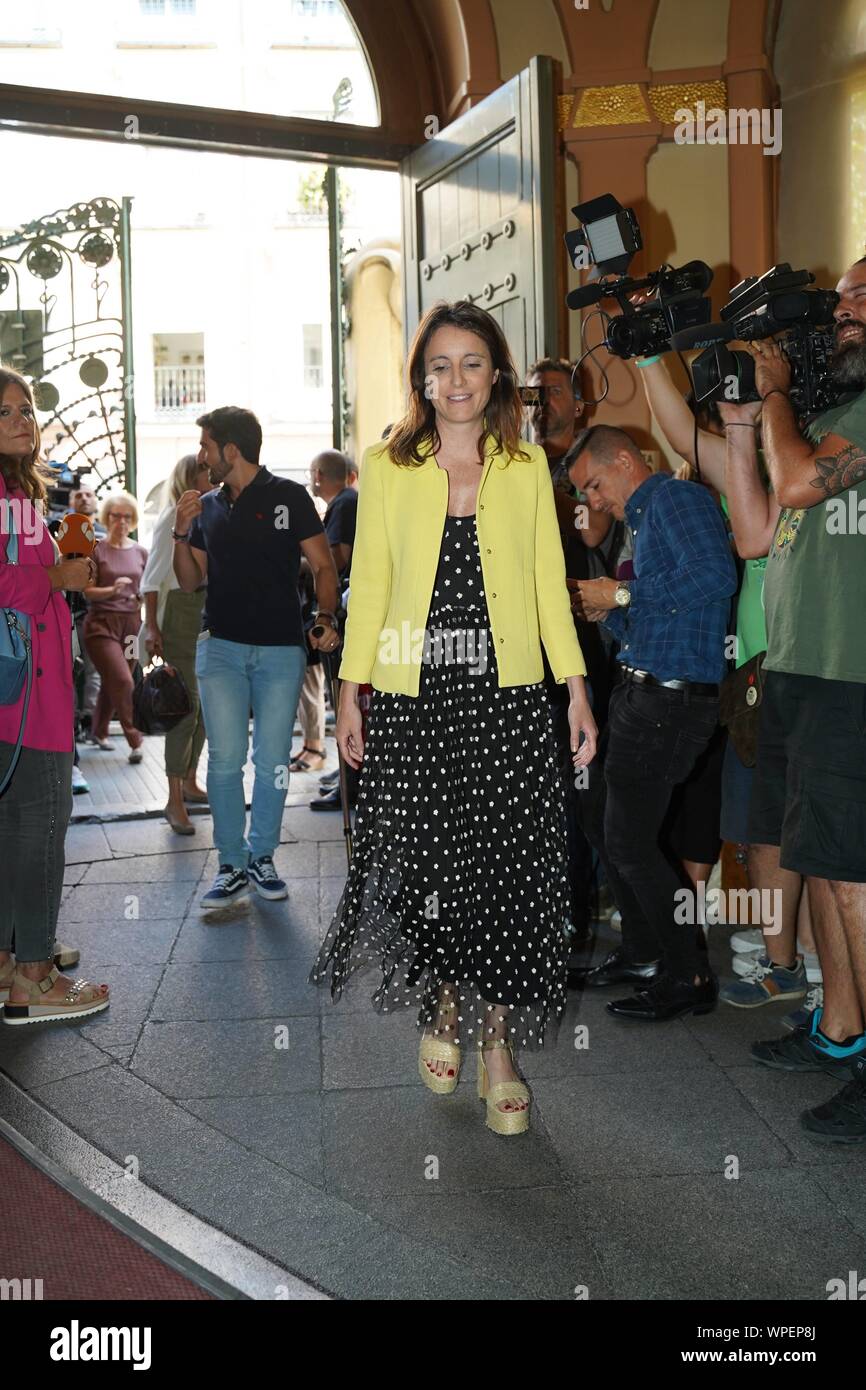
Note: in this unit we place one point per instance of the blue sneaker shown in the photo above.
(802, 1017)
(265, 878)
(229, 885)
(763, 983)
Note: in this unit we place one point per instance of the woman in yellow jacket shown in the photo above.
(457, 890)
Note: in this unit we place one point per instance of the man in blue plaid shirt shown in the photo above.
(671, 621)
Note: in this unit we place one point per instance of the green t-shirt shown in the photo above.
(751, 626)
(815, 585)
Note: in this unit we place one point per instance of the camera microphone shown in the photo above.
(701, 336)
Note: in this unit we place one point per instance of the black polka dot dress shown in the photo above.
(458, 874)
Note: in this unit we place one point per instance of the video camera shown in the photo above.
(609, 238)
(64, 481)
(759, 307)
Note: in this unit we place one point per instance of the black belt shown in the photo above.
(694, 687)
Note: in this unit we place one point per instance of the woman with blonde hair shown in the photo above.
(114, 618)
(171, 625)
(36, 804)
(457, 891)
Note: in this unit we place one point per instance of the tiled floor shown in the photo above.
(661, 1163)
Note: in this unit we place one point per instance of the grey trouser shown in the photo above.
(34, 815)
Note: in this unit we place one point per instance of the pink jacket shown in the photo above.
(27, 587)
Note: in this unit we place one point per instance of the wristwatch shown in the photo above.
(175, 535)
(622, 594)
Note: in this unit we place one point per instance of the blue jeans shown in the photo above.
(233, 679)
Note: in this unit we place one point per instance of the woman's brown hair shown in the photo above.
(28, 474)
(503, 416)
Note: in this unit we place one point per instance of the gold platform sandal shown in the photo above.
(502, 1121)
(436, 1049)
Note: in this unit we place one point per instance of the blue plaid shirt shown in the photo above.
(676, 623)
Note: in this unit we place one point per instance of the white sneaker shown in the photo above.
(747, 941)
(80, 784)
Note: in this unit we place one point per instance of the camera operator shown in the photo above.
(671, 621)
(731, 465)
(810, 786)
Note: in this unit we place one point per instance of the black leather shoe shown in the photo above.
(330, 801)
(667, 998)
(615, 969)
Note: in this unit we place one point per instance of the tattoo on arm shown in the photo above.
(839, 471)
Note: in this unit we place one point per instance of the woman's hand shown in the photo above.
(580, 721)
(348, 733)
(74, 574)
(121, 586)
(153, 642)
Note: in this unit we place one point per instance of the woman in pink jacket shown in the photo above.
(35, 808)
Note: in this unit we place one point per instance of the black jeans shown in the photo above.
(653, 739)
(34, 816)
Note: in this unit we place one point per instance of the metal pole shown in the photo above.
(131, 479)
(332, 194)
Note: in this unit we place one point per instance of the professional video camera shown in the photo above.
(64, 481)
(759, 307)
(609, 238)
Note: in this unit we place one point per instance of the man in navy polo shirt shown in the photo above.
(246, 540)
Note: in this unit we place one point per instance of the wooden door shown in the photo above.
(480, 215)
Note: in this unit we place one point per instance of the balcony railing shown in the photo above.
(178, 390)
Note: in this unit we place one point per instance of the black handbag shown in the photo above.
(160, 700)
(740, 696)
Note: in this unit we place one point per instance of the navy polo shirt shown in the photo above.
(340, 522)
(253, 557)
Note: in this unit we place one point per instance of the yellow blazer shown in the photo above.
(401, 519)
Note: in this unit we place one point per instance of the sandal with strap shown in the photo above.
(81, 998)
(502, 1121)
(300, 763)
(7, 975)
(434, 1050)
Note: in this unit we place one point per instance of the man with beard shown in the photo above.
(809, 795)
(246, 539)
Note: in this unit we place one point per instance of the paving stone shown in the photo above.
(430, 1142)
(781, 1097)
(300, 823)
(120, 902)
(333, 862)
(86, 843)
(847, 1191)
(254, 931)
(229, 1058)
(35, 1053)
(148, 837)
(365, 1049)
(726, 1035)
(74, 873)
(132, 990)
(272, 989)
(667, 1121)
(285, 1129)
(122, 1116)
(535, 1237)
(608, 1044)
(123, 943)
(765, 1235)
(149, 868)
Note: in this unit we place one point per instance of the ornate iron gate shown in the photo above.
(65, 324)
